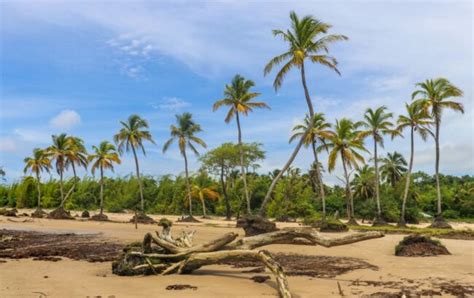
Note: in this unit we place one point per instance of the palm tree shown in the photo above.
(377, 125)
(76, 155)
(58, 152)
(318, 133)
(103, 157)
(418, 121)
(131, 137)
(363, 182)
(202, 193)
(434, 95)
(184, 134)
(307, 39)
(38, 163)
(346, 142)
(238, 97)
(393, 167)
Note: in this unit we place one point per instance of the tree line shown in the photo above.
(346, 141)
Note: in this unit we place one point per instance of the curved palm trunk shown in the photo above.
(226, 197)
(349, 198)
(242, 168)
(203, 202)
(101, 190)
(377, 181)
(320, 180)
(142, 203)
(407, 183)
(268, 195)
(306, 92)
(188, 186)
(438, 189)
(39, 189)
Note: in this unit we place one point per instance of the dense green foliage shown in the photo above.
(294, 195)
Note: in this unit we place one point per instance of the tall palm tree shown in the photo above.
(318, 132)
(377, 124)
(238, 97)
(131, 137)
(307, 39)
(76, 155)
(103, 158)
(393, 167)
(434, 95)
(38, 163)
(202, 193)
(347, 143)
(185, 134)
(417, 120)
(58, 152)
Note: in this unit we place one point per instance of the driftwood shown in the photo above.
(180, 256)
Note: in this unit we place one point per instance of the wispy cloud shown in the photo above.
(7, 144)
(170, 104)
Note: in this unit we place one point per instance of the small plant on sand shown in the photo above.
(420, 246)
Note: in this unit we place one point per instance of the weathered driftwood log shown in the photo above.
(179, 255)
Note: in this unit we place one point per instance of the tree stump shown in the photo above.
(255, 225)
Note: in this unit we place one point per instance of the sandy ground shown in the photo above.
(68, 278)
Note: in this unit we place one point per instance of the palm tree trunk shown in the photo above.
(101, 190)
(242, 167)
(226, 197)
(61, 188)
(438, 189)
(320, 179)
(306, 92)
(142, 203)
(188, 186)
(407, 183)
(39, 189)
(377, 180)
(349, 200)
(203, 208)
(268, 195)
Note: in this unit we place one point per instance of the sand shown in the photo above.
(68, 278)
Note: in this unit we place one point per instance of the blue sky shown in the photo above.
(80, 67)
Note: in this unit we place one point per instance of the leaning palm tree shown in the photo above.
(185, 134)
(318, 133)
(307, 40)
(131, 137)
(103, 158)
(392, 168)
(75, 156)
(434, 95)
(202, 193)
(347, 143)
(377, 124)
(238, 97)
(418, 121)
(38, 163)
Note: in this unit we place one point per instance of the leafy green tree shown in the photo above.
(346, 142)
(377, 124)
(131, 137)
(315, 131)
(434, 95)
(393, 167)
(185, 134)
(38, 163)
(103, 158)
(307, 40)
(417, 120)
(238, 97)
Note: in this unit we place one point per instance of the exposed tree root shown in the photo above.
(180, 256)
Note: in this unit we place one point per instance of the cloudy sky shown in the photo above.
(81, 66)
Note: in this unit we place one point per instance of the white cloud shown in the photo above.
(65, 120)
(33, 135)
(7, 145)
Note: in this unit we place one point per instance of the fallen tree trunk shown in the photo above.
(180, 256)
